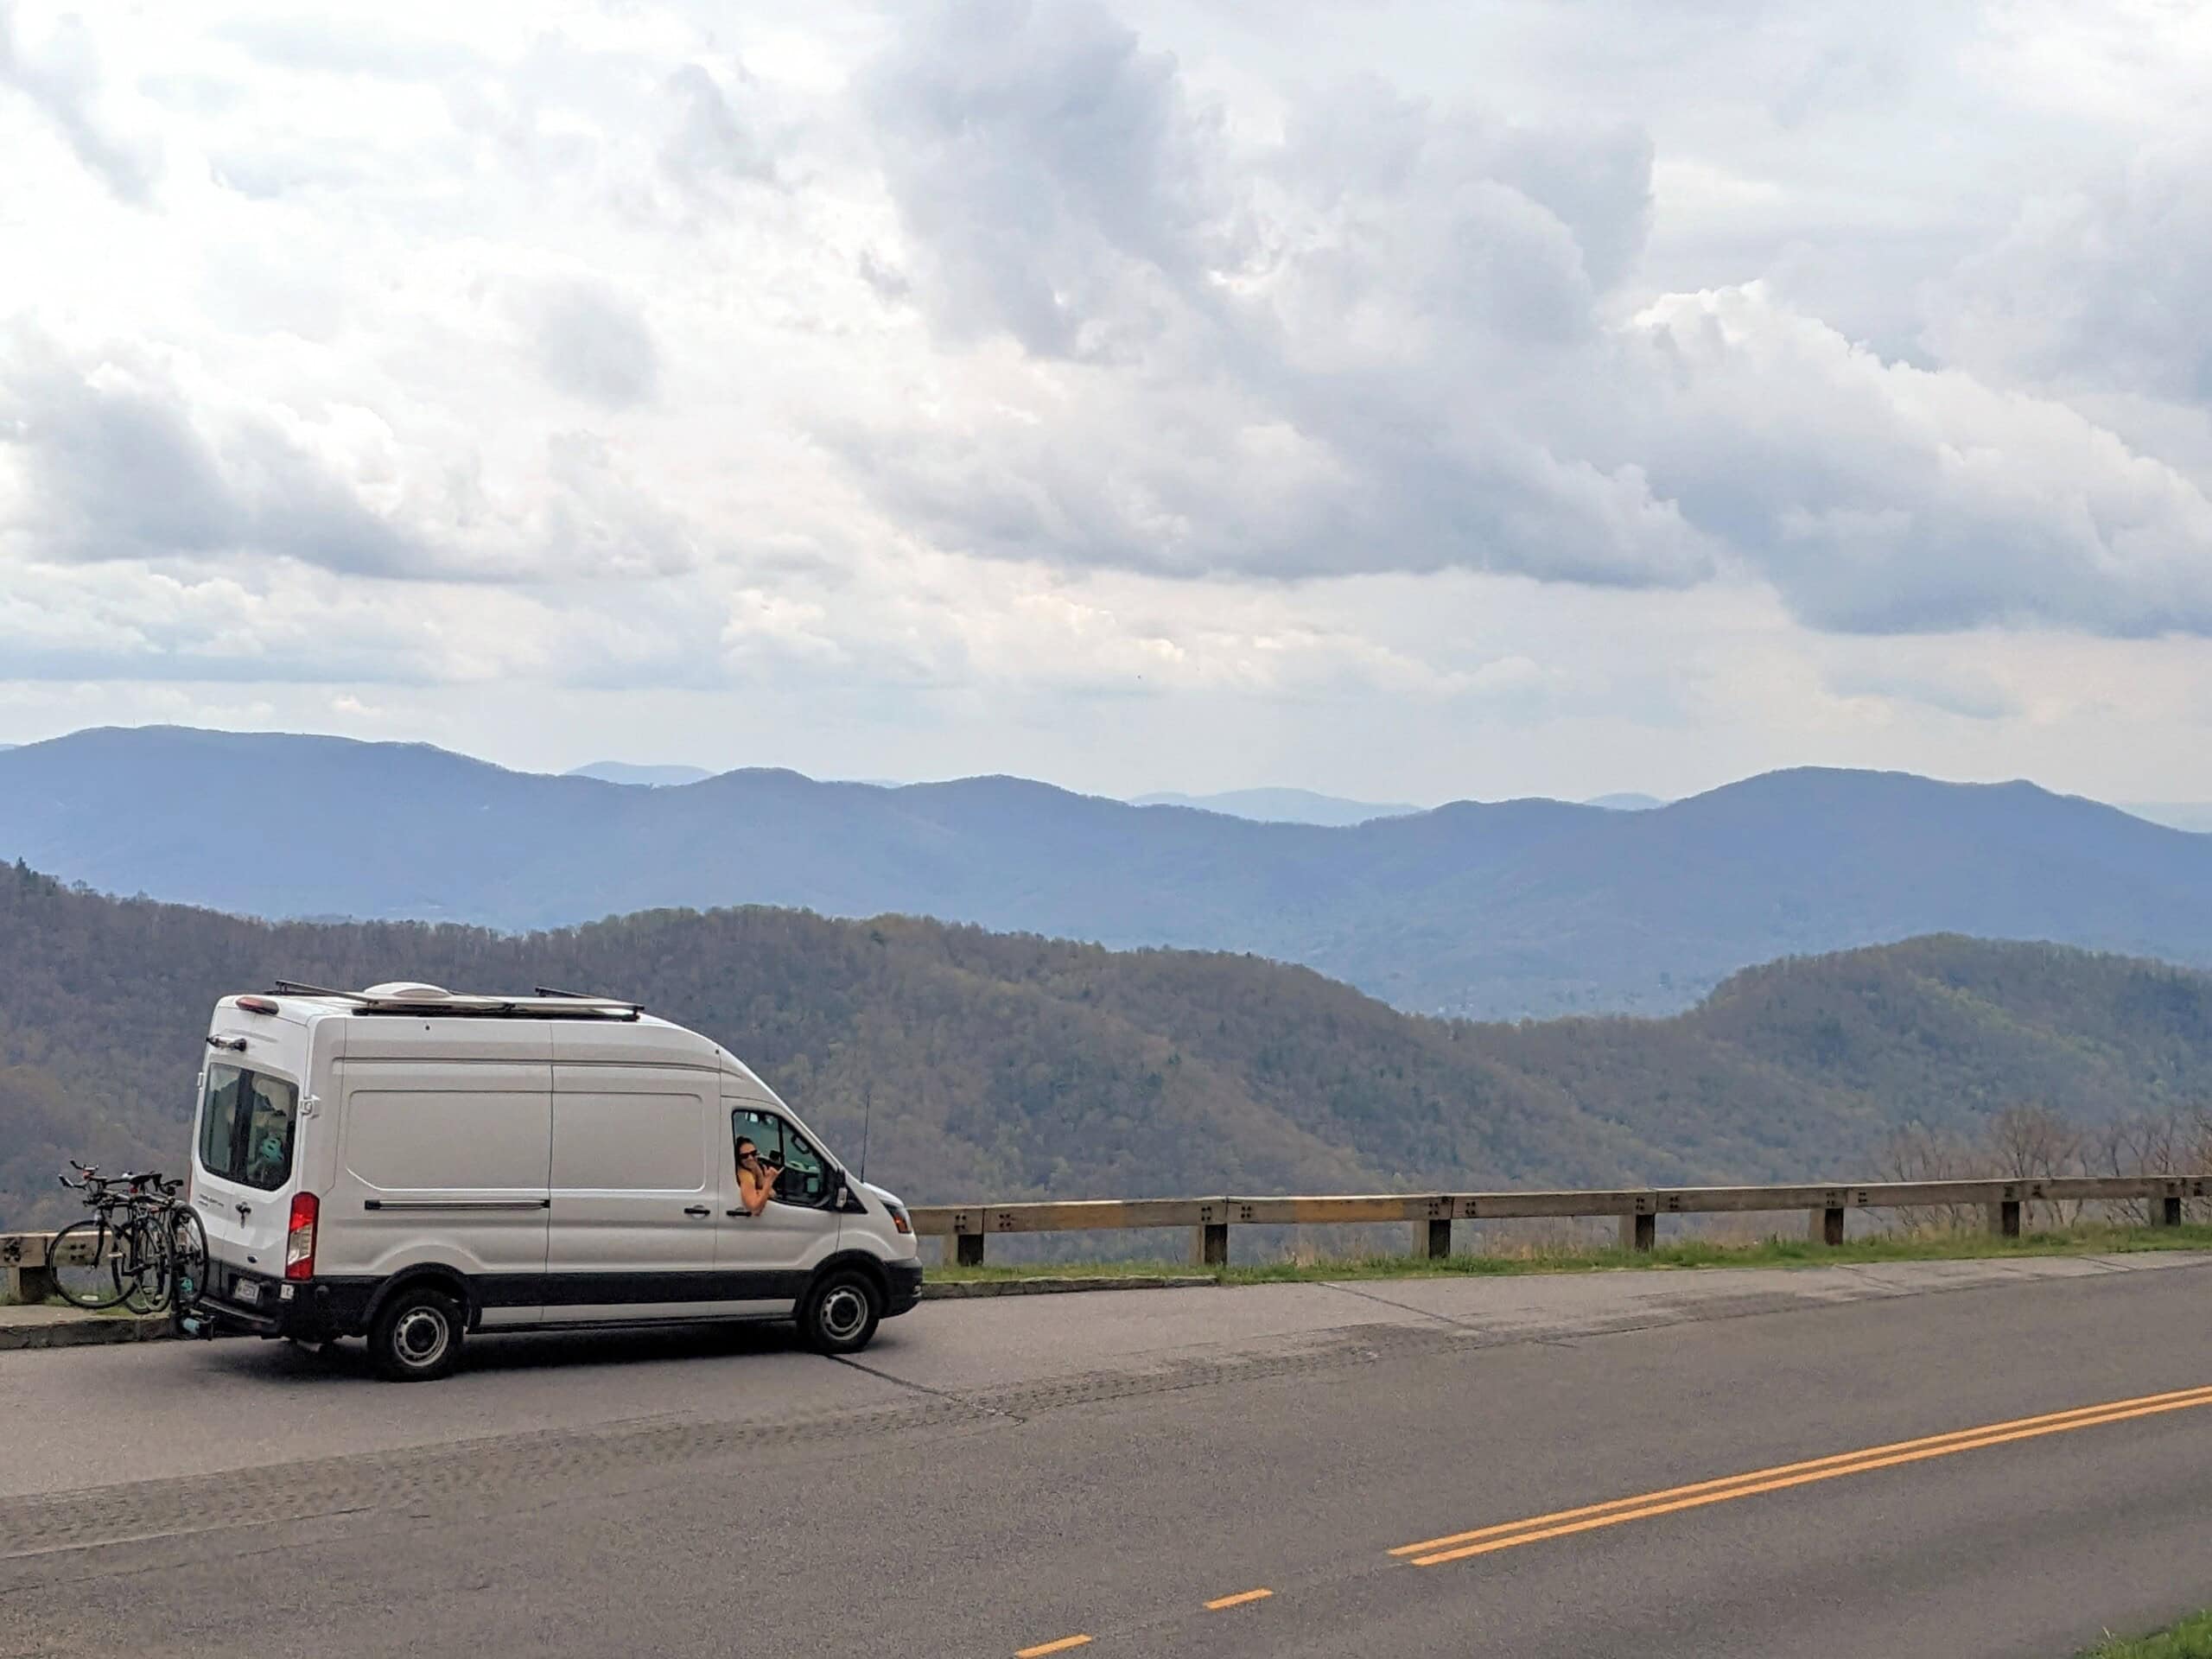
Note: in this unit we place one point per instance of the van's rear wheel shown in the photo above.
(840, 1312)
(417, 1336)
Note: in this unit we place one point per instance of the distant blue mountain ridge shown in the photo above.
(621, 771)
(1281, 806)
(1505, 909)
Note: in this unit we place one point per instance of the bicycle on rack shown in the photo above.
(141, 1248)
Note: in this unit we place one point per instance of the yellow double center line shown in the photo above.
(1510, 1535)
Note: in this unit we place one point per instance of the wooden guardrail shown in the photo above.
(966, 1227)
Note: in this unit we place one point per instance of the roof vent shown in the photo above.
(403, 991)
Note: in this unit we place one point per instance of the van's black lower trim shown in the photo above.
(341, 1307)
(626, 1289)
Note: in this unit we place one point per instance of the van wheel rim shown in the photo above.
(420, 1337)
(844, 1313)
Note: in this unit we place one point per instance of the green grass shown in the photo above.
(1962, 1245)
(2190, 1639)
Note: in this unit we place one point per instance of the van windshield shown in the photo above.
(246, 1127)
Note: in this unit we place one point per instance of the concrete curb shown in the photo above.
(964, 1289)
(63, 1327)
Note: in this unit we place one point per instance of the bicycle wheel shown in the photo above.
(144, 1265)
(84, 1261)
(187, 1256)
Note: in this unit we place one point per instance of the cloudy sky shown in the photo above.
(1399, 398)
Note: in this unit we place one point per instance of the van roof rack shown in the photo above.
(407, 997)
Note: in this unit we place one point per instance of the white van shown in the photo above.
(410, 1165)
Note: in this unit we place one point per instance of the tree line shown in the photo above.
(1008, 1066)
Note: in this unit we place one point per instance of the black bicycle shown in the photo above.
(141, 1248)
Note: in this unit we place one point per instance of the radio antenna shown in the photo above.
(867, 1112)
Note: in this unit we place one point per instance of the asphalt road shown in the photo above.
(998, 1476)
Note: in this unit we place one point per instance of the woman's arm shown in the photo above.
(753, 1192)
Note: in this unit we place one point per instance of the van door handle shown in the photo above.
(698, 1210)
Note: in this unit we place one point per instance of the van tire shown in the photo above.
(416, 1336)
(840, 1312)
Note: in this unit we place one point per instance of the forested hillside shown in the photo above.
(1496, 911)
(1012, 1066)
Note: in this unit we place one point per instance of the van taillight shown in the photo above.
(299, 1237)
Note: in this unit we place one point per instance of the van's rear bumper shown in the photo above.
(315, 1311)
(905, 1284)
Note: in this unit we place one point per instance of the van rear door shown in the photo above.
(245, 1162)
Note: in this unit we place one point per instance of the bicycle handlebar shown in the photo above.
(101, 1186)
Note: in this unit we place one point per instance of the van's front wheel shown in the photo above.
(416, 1336)
(840, 1312)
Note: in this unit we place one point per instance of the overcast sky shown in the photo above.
(1408, 400)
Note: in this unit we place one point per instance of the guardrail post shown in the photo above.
(1827, 1225)
(2169, 1212)
(2004, 1219)
(1639, 1232)
(1209, 1244)
(25, 1273)
(963, 1249)
(1432, 1238)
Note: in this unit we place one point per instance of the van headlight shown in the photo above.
(899, 1219)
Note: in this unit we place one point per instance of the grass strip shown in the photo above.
(1965, 1244)
(2190, 1639)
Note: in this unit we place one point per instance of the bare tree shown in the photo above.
(2194, 1154)
(2034, 1143)
(2153, 1144)
(1917, 1153)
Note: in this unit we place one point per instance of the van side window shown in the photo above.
(806, 1178)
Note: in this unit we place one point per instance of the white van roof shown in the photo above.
(412, 1016)
(404, 996)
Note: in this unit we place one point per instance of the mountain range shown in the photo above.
(1281, 806)
(622, 771)
(973, 1066)
(1505, 910)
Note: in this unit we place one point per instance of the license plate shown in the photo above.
(248, 1290)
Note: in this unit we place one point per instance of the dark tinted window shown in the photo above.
(245, 1128)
